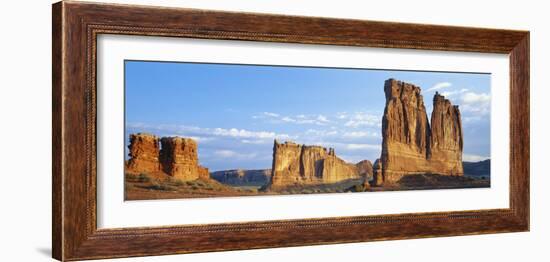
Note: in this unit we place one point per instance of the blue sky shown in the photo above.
(235, 111)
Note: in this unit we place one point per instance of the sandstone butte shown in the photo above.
(298, 165)
(409, 144)
(173, 156)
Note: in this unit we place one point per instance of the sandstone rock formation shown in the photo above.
(176, 157)
(409, 145)
(378, 178)
(179, 158)
(446, 137)
(364, 168)
(144, 153)
(295, 164)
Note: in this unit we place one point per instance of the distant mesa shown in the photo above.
(241, 177)
(409, 144)
(299, 165)
(174, 156)
(478, 169)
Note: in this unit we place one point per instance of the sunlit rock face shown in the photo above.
(173, 156)
(179, 158)
(295, 165)
(144, 153)
(446, 141)
(409, 145)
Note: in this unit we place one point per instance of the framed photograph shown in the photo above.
(182, 130)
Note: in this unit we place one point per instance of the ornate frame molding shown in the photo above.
(76, 26)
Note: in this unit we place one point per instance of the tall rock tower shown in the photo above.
(144, 153)
(179, 158)
(446, 137)
(409, 145)
(405, 131)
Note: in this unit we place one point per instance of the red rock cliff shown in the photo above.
(175, 156)
(409, 145)
(446, 137)
(295, 164)
(179, 158)
(144, 153)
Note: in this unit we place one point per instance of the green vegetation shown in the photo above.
(155, 185)
(142, 178)
(177, 185)
(359, 188)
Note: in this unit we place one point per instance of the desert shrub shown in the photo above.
(359, 188)
(178, 182)
(161, 186)
(143, 178)
(264, 188)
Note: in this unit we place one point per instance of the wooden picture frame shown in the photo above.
(76, 26)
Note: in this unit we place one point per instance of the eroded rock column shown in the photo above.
(144, 153)
(179, 158)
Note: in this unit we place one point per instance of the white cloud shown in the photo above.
(352, 158)
(322, 118)
(471, 98)
(342, 115)
(288, 119)
(298, 119)
(360, 119)
(476, 103)
(205, 134)
(473, 158)
(360, 134)
(271, 114)
(439, 86)
(470, 119)
(320, 133)
(362, 147)
(232, 154)
(225, 153)
(453, 92)
(242, 133)
(202, 139)
(256, 141)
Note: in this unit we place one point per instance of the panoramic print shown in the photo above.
(216, 130)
